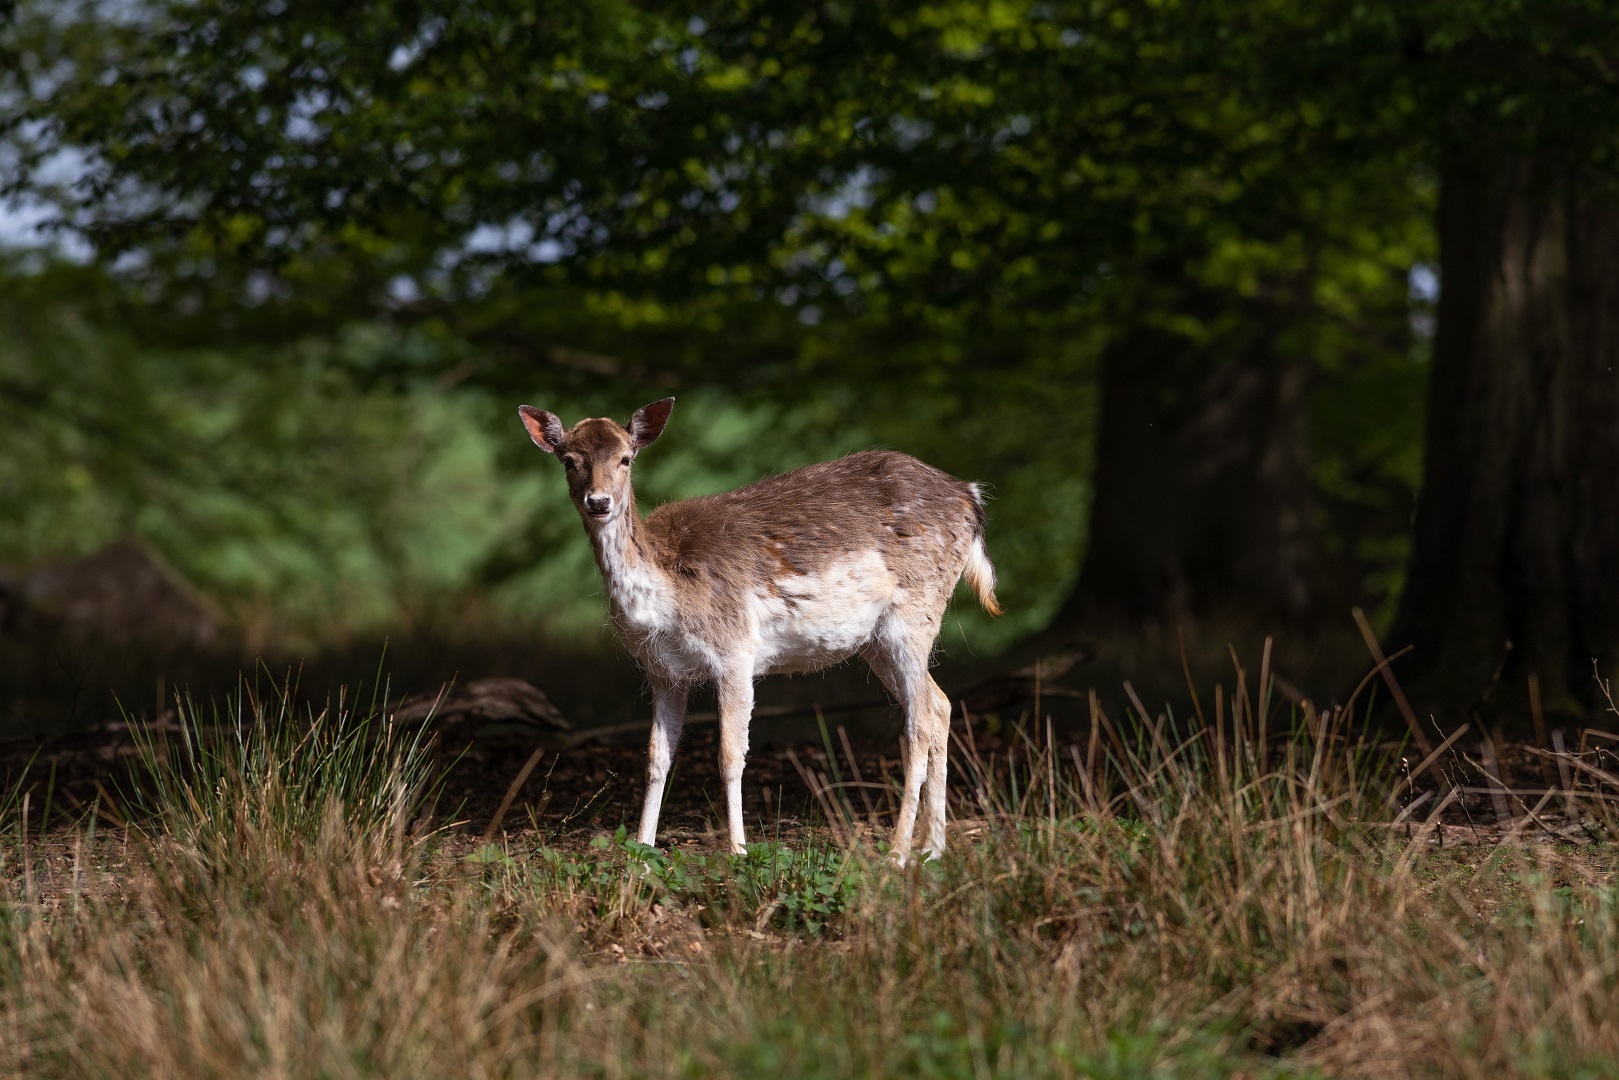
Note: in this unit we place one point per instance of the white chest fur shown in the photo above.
(641, 597)
(646, 609)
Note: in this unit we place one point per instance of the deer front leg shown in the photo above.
(735, 693)
(668, 717)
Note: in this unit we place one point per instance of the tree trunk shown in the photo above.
(1202, 486)
(1515, 560)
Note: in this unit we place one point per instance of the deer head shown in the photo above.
(596, 454)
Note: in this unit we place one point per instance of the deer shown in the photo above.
(794, 573)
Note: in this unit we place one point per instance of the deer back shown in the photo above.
(861, 532)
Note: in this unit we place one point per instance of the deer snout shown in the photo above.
(598, 505)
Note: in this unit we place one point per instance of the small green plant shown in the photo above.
(769, 886)
(492, 856)
(795, 890)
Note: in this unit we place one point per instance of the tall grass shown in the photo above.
(1162, 901)
(260, 768)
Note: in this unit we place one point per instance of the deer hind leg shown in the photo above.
(735, 693)
(668, 717)
(903, 669)
(938, 769)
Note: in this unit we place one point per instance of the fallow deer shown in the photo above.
(792, 574)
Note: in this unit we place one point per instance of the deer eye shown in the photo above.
(570, 463)
(625, 460)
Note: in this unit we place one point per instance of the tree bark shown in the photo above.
(1203, 492)
(1515, 561)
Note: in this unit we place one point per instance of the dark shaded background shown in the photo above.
(1248, 315)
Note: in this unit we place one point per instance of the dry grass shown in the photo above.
(1211, 905)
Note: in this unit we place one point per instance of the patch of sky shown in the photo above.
(547, 251)
(111, 12)
(406, 54)
(31, 223)
(301, 118)
(853, 192)
(403, 289)
(910, 132)
(1423, 282)
(27, 227)
(518, 237)
(131, 262)
(1422, 287)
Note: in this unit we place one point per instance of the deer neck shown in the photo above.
(641, 595)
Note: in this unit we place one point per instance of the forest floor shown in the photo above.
(185, 902)
(587, 785)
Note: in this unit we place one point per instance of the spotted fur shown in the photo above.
(795, 573)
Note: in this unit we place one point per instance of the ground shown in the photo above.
(584, 785)
(1200, 907)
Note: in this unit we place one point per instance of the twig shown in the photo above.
(854, 771)
(1393, 683)
(511, 794)
(1570, 810)
(1433, 756)
(1492, 772)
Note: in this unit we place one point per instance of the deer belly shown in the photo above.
(806, 622)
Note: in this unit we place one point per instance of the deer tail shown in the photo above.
(979, 573)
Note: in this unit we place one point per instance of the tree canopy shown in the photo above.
(977, 216)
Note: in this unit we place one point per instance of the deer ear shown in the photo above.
(647, 423)
(543, 427)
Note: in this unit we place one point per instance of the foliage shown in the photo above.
(856, 225)
(270, 478)
(1001, 167)
(1477, 80)
(922, 227)
(334, 484)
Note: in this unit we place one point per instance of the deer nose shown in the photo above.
(598, 504)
